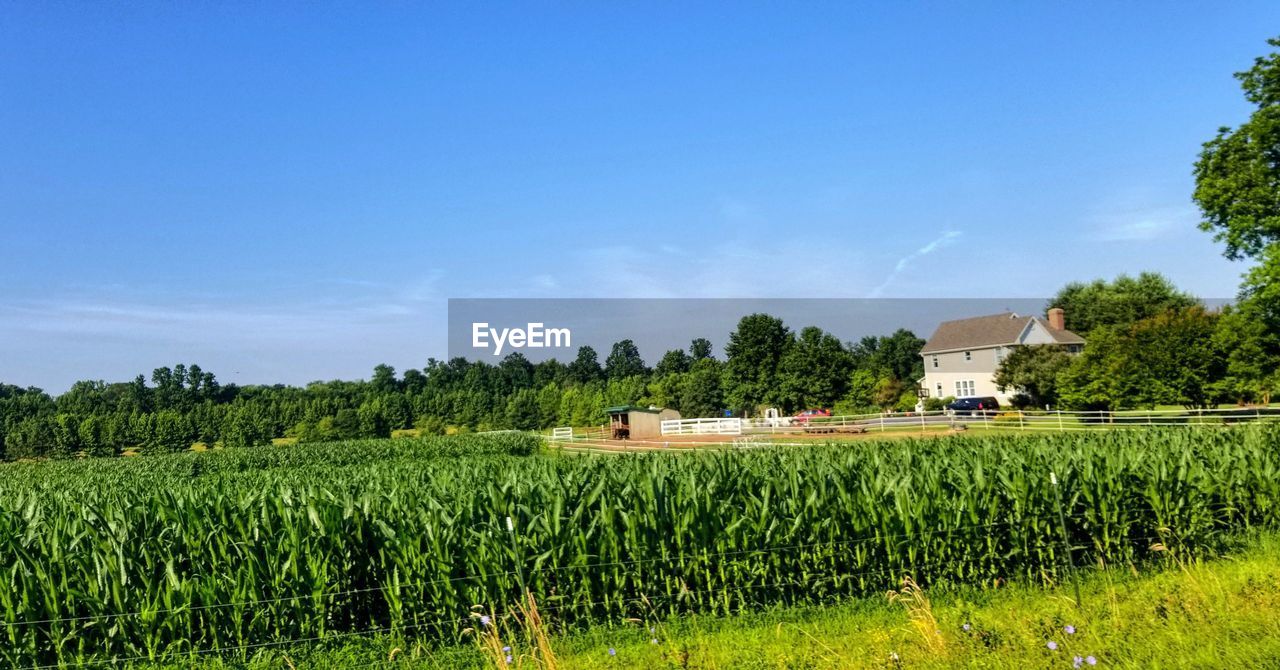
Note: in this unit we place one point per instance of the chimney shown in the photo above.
(1057, 319)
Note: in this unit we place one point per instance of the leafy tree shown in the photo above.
(700, 348)
(1170, 358)
(1104, 377)
(700, 392)
(170, 432)
(414, 381)
(1238, 192)
(522, 411)
(754, 353)
(1121, 302)
(814, 371)
(1033, 371)
(586, 367)
(673, 362)
(1238, 172)
(624, 361)
(1177, 350)
(384, 379)
(898, 356)
(516, 373)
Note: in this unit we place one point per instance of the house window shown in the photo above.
(999, 356)
(968, 355)
(939, 389)
(964, 388)
(935, 361)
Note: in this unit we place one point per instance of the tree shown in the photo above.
(170, 433)
(586, 367)
(1033, 372)
(675, 361)
(754, 352)
(1104, 377)
(384, 379)
(1121, 302)
(624, 361)
(1177, 350)
(815, 370)
(1170, 358)
(898, 356)
(700, 348)
(522, 410)
(700, 392)
(1238, 172)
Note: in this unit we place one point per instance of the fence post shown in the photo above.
(1060, 428)
(882, 422)
(1022, 420)
(922, 424)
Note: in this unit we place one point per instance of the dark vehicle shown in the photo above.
(974, 406)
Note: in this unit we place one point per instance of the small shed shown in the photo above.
(635, 422)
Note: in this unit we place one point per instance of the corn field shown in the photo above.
(229, 552)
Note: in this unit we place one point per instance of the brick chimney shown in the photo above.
(1057, 319)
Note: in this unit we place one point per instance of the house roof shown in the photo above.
(622, 409)
(990, 331)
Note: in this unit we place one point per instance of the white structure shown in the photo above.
(961, 357)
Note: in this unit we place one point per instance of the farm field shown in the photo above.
(236, 553)
(1199, 614)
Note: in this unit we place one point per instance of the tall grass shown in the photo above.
(231, 550)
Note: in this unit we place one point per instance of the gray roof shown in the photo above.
(989, 331)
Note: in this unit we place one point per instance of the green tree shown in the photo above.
(384, 379)
(700, 348)
(700, 391)
(754, 353)
(675, 361)
(522, 410)
(586, 367)
(1121, 302)
(624, 361)
(1032, 371)
(1238, 172)
(814, 371)
(171, 432)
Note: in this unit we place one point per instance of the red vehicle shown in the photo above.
(804, 417)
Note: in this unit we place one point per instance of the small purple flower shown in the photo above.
(653, 641)
(484, 619)
(966, 627)
(1053, 646)
(507, 649)
(1070, 630)
(508, 659)
(613, 652)
(1077, 662)
(1090, 660)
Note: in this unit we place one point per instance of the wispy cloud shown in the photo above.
(1139, 224)
(945, 240)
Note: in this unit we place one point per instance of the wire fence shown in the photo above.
(844, 583)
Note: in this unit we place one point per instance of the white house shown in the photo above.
(961, 357)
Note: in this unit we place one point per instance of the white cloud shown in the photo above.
(945, 240)
(1138, 224)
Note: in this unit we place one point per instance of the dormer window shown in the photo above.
(935, 361)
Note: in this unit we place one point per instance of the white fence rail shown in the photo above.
(714, 426)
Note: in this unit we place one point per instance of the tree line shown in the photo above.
(765, 364)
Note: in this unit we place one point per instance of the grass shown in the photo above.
(1223, 613)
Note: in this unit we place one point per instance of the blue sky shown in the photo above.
(288, 192)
